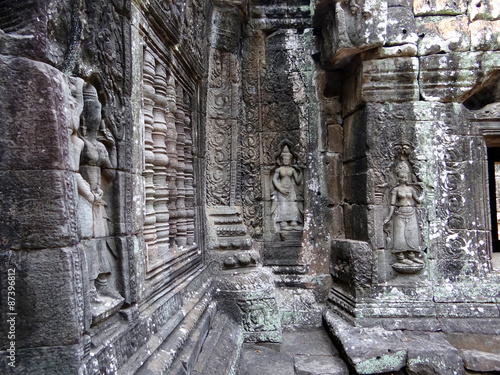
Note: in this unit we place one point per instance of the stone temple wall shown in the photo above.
(101, 166)
(413, 163)
(179, 175)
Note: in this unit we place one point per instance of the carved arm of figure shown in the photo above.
(84, 188)
(416, 197)
(109, 161)
(394, 194)
(297, 175)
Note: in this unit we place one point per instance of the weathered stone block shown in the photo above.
(430, 353)
(38, 209)
(463, 310)
(35, 118)
(355, 136)
(456, 270)
(443, 34)
(49, 300)
(484, 326)
(483, 10)
(400, 3)
(355, 260)
(315, 365)
(334, 220)
(384, 352)
(226, 33)
(405, 50)
(479, 352)
(385, 80)
(335, 138)
(438, 7)
(334, 178)
(350, 29)
(401, 28)
(356, 182)
(356, 221)
(476, 360)
(452, 77)
(485, 35)
(467, 290)
(221, 348)
(390, 80)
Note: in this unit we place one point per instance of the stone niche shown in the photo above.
(274, 91)
(416, 223)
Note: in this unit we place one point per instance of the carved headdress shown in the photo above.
(89, 93)
(286, 151)
(403, 169)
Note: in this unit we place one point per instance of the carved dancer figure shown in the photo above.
(405, 240)
(77, 144)
(285, 206)
(96, 163)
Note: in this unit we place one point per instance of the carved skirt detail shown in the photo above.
(405, 230)
(287, 208)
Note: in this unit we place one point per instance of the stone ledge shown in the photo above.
(376, 350)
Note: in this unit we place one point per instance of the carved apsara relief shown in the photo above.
(402, 224)
(93, 158)
(287, 195)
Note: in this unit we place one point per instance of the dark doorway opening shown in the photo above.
(494, 189)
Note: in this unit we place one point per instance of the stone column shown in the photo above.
(161, 160)
(149, 156)
(171, 142)
(180, 204)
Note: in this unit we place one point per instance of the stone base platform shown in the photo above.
(375, 350)
(307, 351)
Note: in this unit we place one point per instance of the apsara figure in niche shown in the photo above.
(404, 234)
(286, 180)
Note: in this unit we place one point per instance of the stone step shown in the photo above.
(158, 354)
(307, 351)
(375, 350)
(186, 360)
(221, 349)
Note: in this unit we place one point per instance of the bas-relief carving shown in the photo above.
(259, 315)
(287, 205)
(401, 225)
(222, 118)
(94, 158)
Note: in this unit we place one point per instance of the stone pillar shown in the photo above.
(171, 142)
(180, 204)
(244, 286)
(161, 160)
(43, 271)
(189, 174)
(149, 156)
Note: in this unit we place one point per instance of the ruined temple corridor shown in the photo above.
(242, 187)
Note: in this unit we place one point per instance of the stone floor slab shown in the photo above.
(320, 365)
(313, 341)
(264, 360)
(305, 351)
(479, 352)
(369, 350)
